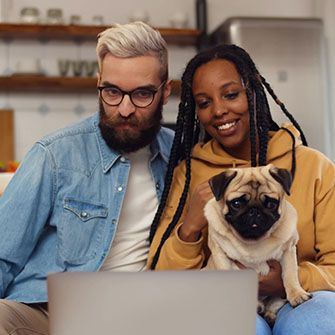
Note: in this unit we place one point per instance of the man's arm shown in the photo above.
(24, 209)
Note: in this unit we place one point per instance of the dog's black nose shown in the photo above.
(253, 211)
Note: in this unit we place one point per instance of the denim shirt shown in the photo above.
(61, 209)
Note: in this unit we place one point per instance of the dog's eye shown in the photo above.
(237, 203)
(270, 203)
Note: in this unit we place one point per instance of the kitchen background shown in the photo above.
(307, 87)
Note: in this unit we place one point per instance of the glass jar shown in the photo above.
(30, 15)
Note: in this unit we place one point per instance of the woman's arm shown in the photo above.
(316, 247)
(184, 248)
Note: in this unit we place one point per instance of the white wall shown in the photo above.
(326, 10)
(38, 114)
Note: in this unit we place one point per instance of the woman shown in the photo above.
(223, 93)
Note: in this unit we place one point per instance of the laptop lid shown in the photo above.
(151, 303)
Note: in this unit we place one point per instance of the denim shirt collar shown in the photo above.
(109, 156)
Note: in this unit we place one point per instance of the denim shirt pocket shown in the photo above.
(81, 230)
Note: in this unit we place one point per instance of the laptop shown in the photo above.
(153, 303)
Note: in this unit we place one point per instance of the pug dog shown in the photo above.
(251, 222)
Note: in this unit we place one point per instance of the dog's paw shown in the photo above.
(260, 308)
(298, 297)
(270, 318)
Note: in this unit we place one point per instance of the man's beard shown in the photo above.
(126, 141)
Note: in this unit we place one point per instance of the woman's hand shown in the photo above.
(272, 284)
(195, 221)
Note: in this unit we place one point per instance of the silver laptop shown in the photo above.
(153, 303)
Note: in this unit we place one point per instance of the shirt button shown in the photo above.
(122, 159)
(113, 221)
(83, 214)
(120, 188)
(158, 186)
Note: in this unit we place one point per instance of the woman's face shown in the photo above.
(222, 106)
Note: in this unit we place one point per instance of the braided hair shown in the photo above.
(187, 132)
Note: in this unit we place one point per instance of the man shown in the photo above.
(84, 197)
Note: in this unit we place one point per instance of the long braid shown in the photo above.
(293, 164)
(179, 209)
(266, 112)
(262, 127)
(285, 111)
(190, 135)
(252, 126)
(169, 175)
(177, 152)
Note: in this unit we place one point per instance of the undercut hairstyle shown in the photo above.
(133, 40)
(187, 132)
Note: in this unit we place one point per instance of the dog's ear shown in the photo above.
(220, 182)
(283, 177)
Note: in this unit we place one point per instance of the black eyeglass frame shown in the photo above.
(129, 93)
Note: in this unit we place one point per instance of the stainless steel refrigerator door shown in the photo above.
(290, 54)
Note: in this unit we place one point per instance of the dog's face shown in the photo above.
(251, 198)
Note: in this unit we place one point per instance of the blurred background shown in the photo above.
(48, 62)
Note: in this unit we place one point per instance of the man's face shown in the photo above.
(127, 128)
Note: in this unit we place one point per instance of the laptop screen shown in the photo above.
(151, 303)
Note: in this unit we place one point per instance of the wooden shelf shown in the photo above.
(78, 33)
(84, 33)
(35, 83)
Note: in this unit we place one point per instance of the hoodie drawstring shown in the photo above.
(293, 165)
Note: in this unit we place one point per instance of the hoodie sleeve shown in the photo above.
(317, 266)
(175, 253)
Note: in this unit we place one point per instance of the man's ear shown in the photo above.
(98, 78)
(220, 182)
(167, 91)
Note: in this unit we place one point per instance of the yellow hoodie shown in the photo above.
(312, 194)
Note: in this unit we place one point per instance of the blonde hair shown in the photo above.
(132, 40)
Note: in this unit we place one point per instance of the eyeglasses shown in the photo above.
(140, 97)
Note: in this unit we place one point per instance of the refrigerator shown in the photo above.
(291, 54)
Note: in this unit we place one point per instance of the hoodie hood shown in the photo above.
(280, 144)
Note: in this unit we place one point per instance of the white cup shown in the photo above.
(30, 15)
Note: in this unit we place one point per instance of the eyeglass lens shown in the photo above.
(140, 97)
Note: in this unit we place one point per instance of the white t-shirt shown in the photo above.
(130, 247)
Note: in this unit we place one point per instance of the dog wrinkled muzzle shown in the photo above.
(253, 222)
